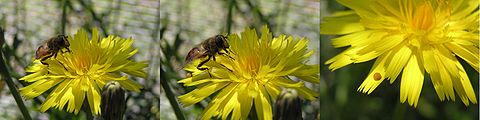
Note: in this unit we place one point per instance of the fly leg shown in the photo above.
(45, 58)
(203, 62)
(68, 50)
(63, 65)
(55, 54)
(226, 54)
(226, 67)
(222, 64)
(44, 63)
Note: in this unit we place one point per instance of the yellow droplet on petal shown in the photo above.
(377, 76)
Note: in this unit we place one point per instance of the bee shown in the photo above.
(51, 47)
(209, 48)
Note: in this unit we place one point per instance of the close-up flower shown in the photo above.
(251, 75)
(79, 74)
(414, 38)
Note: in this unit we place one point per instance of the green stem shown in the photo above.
(11, 85)
(229, 15)
(87, 110)
(262, 17)
(95, 16)
(64, 15)
(171, 97)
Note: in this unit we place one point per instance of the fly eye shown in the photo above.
(219, 41)
(61, 40)
(61, 37)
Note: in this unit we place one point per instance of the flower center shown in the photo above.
(423, 18)
(423, 25)
(82, 64)
(251, 65)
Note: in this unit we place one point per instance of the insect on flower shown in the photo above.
(258, 76)
(208, 48)
(72, 91)
(51, 47)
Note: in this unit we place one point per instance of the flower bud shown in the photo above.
(288, 106)
(113, 101)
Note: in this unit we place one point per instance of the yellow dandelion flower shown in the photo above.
(83, 72)
(260, 67)
(409, 36)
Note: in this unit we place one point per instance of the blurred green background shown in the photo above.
(186, 23)
(339, 99)
(28, 23)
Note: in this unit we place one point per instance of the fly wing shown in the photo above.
(195, 53)
(42, 51)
